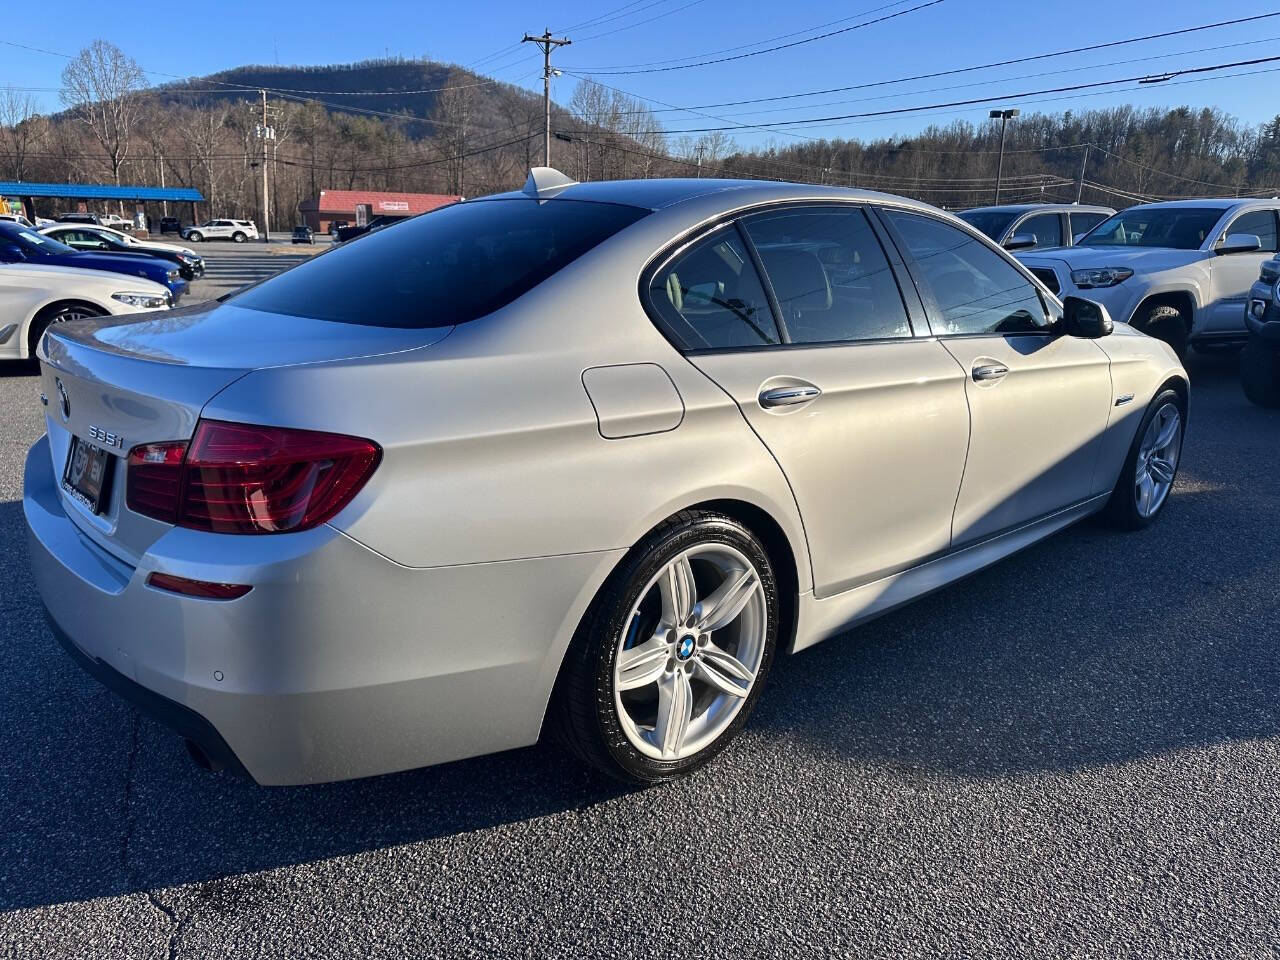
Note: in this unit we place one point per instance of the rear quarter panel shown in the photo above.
(492, 448)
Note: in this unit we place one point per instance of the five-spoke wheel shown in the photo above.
(670, 659)
(689, 656)
(1152, 464)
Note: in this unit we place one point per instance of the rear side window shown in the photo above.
(829, 274)
(710, 296)
(442, 268)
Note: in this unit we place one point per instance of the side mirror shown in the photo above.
(1085, 319)
(1021, 241)
(1239, 243)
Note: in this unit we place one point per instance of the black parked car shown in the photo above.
(78, 218)
(303, 234)
(1260, 360)
(170, 225)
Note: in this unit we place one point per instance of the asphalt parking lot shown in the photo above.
(1076, 752)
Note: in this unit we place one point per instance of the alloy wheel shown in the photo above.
(1157, 460)
(691, 651)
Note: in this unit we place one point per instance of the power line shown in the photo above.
(643, 23)
(984, 66)
(755, 43)
(980, 100)
(983, 83)
(781, 46)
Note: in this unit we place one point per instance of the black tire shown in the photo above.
(238, 237)
(582, 714)
(1260, 373)
(1165, 322)
(56, 313)
(1122, 509)
(195, 236)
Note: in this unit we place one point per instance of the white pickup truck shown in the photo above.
(1180, 271)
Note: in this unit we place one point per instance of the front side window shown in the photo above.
(1179, 228)
(710, 296)
(445, 267)
(1045, 227)
(1259, 223)
(829, 275)
(972, 288)
(1084, 222)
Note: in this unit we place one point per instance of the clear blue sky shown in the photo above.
(952, 33)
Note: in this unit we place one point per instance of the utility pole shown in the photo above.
(1004, 117)
(547, 43)
(266, 202)
(701, 148)
(1083, 164)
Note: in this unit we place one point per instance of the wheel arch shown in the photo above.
(51, 306)
(1184, 299)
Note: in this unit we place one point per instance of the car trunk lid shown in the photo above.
(117, 382)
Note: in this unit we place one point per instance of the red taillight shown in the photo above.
(240, 478)
(198, 588)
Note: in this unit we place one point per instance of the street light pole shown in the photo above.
(547, 43)
(1004, 116)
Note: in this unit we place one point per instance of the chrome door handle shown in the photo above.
(785, 396)
(989, 371)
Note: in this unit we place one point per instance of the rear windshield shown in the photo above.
(444, 267)
(991, 222)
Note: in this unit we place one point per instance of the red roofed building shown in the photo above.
(330, 205)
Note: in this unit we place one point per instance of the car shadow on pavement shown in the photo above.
(1090, 648)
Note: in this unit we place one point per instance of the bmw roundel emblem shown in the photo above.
(684, 650)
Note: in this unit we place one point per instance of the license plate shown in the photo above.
(87, 476)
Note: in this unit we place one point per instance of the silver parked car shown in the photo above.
(583, 457)
(1024, 226)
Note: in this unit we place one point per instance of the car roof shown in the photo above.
(1209, 203)
(1024, 207)
(658, 194)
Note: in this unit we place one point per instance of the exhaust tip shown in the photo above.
(200, 758)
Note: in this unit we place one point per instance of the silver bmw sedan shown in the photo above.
(580, 458)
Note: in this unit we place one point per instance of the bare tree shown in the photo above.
(451, 118)
(22, 131)
(101, 87)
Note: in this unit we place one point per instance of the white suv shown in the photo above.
(236, 230)
(1180, 271)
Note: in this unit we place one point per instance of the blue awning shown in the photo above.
(100, 191)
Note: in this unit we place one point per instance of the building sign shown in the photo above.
(362, 214)
(394, 205)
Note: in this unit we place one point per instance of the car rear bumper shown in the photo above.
(337, 664)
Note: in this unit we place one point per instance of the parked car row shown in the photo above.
(815, 405)
(1178, 270)
(45, 281)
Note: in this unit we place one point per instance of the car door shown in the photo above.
(1038, 400)
(797, 314)
(1232, 274)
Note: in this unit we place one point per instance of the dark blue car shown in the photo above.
(21, 245)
